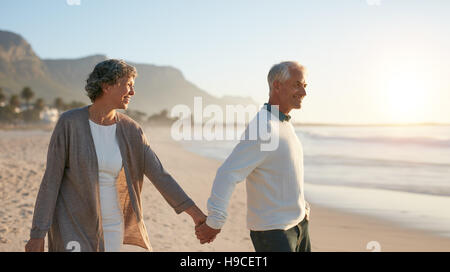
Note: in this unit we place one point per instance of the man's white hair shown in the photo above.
(281, 72)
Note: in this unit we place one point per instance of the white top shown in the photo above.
(275, 197)
(109, 166)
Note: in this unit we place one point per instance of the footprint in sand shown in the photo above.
(31, 173)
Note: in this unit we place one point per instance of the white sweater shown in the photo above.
(275, 197)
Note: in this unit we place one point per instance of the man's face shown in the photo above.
(292, 91)
(121, 93)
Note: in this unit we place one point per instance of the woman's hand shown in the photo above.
(35, 245)
(197, 215)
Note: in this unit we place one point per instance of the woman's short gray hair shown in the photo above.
(281, 72)
(107, 72)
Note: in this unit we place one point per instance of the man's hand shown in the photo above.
(308, 211)
(35, 245)
(205, 233)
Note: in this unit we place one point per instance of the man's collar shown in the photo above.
(282, 116)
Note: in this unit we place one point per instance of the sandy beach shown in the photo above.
(22, 163)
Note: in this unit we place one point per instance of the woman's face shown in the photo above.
(119, 95)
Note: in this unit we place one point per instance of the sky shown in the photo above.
(368, 61)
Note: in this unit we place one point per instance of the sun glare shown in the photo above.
(406, 94)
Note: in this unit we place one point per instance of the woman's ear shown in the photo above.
(105, 87)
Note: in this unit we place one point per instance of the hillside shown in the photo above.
(157, 87)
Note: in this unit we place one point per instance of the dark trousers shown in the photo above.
(295, 239)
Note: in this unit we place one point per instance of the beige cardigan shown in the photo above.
(68, 202)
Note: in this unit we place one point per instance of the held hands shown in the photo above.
(203, 232)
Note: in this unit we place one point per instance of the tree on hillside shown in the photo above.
(39, 105)
(8, 114)
(14, 101)
(2, 97)
(27, 94)
(74, 104)
(59, 104)
(34, 115)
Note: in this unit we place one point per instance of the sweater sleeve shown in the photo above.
(244, 158)
(163, 181)
(51, 181)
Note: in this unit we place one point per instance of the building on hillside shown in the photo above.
(49, 115)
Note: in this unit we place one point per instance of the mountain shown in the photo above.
(18, 58)
(157, 87)
(20, 67)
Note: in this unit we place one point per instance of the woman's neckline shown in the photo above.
(101, 125)
(91, 115)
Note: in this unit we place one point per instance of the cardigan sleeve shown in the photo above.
(51, 181)
(163, 181)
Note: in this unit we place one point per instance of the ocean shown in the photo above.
(398, 173)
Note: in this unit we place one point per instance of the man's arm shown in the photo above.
(244, 158)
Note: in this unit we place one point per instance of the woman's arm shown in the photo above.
(163, 181)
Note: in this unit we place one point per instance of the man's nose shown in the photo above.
(302, 91)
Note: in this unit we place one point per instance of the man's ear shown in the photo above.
(276, 86)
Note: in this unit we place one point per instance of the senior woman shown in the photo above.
(90, 195)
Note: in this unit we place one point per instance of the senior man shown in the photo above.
(277, 213)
